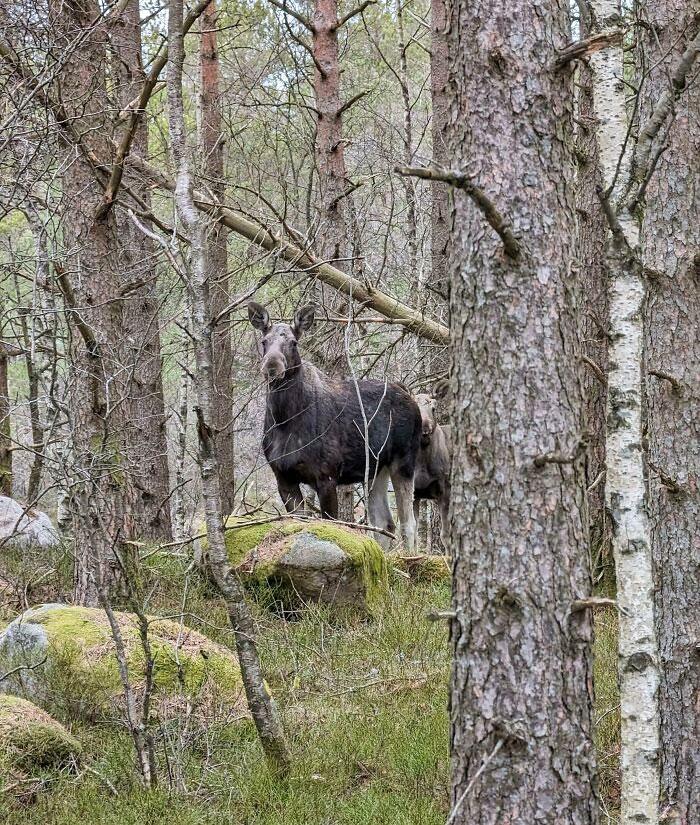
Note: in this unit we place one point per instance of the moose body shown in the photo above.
(432, 475)
(323, 432)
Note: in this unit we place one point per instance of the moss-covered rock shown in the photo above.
(424, 568)
(309, 561)
(78, 673)
(31, 740)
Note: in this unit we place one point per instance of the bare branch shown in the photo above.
(595, 369)
(265, 238)
(666, 376)
(351, 102)
(582, 48)
(494, 218)
(305, 21)
(347, 17)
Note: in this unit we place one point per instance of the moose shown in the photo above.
(323, 431)
(432, 476)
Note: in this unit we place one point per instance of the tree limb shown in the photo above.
(351, 102)
(347, 17)
(265, 238)
(295, 14)
(135, 113)
(586, 46)
(494, 218)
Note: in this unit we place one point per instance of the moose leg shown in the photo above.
(328, 498)
(378, 511)
(403, 488)
(291, 495)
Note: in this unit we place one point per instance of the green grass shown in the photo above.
(364, 704)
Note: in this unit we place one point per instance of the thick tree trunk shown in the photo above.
(262, 705)
(147, 431)
(5, 433)
(212, 144)
(625, 487)
(91, 289)
(521, 689)
(670, 242)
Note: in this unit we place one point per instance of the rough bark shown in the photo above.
(90, 283)
(262, 705)
(147, 431)
(521, 686)
(592, 234)
(212, 144)
(670, 243)
(625, 488)
(5, 433)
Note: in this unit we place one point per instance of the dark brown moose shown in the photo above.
(432, 478)
(315, 429)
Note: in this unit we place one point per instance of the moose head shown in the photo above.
(280, 341)
(427, 404)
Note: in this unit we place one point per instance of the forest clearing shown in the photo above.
(350, 412)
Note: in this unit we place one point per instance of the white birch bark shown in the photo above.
(625, 483)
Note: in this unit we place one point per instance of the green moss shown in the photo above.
(30, 738)
(420, 568)
(83, 666)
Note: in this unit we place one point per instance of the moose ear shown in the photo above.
(441, 388)
(259, 317)
(304, 319)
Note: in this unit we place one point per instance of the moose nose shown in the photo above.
(274, 367)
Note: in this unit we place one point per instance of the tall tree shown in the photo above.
(91, 287)
(5, 433)
(670, 244)
(521, 692)
(147, 432)
(212, 143)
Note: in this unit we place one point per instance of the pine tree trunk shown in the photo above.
(91, 286)
(148, 455)
(521, 687)
(212, 144)
(670, 242)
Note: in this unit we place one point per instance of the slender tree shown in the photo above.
(670, 244)
(5, 433)
(521, 692)
(195, 224)
(212, 143)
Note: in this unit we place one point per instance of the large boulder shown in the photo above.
(304, 561)
(71, 668)
(31, 740)
(21, 529)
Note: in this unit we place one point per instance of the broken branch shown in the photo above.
(586, 46)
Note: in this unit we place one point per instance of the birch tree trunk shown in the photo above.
(147, 442)
(521, 686)
(625, 488)
(262, 705)
(670, 242)
(212, 143)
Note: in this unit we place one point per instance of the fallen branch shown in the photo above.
(267, 239)
(457, 179)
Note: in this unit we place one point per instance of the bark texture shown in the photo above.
(521, 689)
(90, 283)
(593, 234)
(212, 144)
(625, 481)
(670, 243)
(147, 432)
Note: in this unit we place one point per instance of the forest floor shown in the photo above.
(364, 705)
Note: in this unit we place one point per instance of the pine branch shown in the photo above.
(347, 17)
(588, 45)
(457, 179)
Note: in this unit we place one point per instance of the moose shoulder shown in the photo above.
(324, 432)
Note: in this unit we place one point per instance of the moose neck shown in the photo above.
(287, 398)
